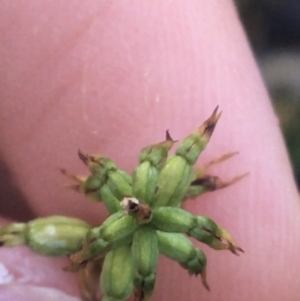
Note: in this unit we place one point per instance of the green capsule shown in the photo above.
(176, 220)
(111, 203)
(191, 146)
(100, 240)
(119, 184)
(106, 183)
(99, 167)
(177, 247)
(92, 183)
(145, 179)
(174, 181)
(50, 236)
(145, 258)
(156, 154)
(172, 219)
(117, 275)
(126, 177)
(91, 188)
(97, 164)
(177, 174)
(208, 232)
(118, 229)
(151, 159)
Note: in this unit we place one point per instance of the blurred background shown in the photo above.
(273, 29)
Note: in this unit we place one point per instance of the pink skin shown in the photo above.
(111, 77)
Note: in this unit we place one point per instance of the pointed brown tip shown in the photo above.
(234, 248)
(219, 160)
(203, 279)
(210, 124)
(240, 249)
(169, 138)
(83, 157)
(215, 110)
(233, 251)
(206, 287)
(215, 115)
(62, 170)
(234, 180)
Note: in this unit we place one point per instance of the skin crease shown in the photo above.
(111, 77)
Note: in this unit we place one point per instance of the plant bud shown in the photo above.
(145, 257)
(173, 183)
(177, 247)
(191, 147)
(117, 274)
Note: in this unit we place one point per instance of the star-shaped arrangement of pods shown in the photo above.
(146, 218)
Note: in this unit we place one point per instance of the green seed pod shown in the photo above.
(100, 170)
(117, 275)
(92, 183)
(101, 240)
(157, 153)
(111, 203)
(94, 232)
(177, 247)
(145, 179)
(97, 164)
(99, 167)
(191, 147)
(176, 176)
(151, 159)
(118, 229)
(171, 219)
(126, 176)
(174, 181)
(104, 172)
(145, 257)
(208, 232)
(91, 187)
(50, 236)
(119, 184)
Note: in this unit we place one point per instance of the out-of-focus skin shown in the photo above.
(111, 77)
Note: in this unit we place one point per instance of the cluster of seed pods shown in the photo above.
(145, 219)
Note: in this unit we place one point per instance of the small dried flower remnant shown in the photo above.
(145, 219)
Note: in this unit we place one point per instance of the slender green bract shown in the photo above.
(145, 219)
